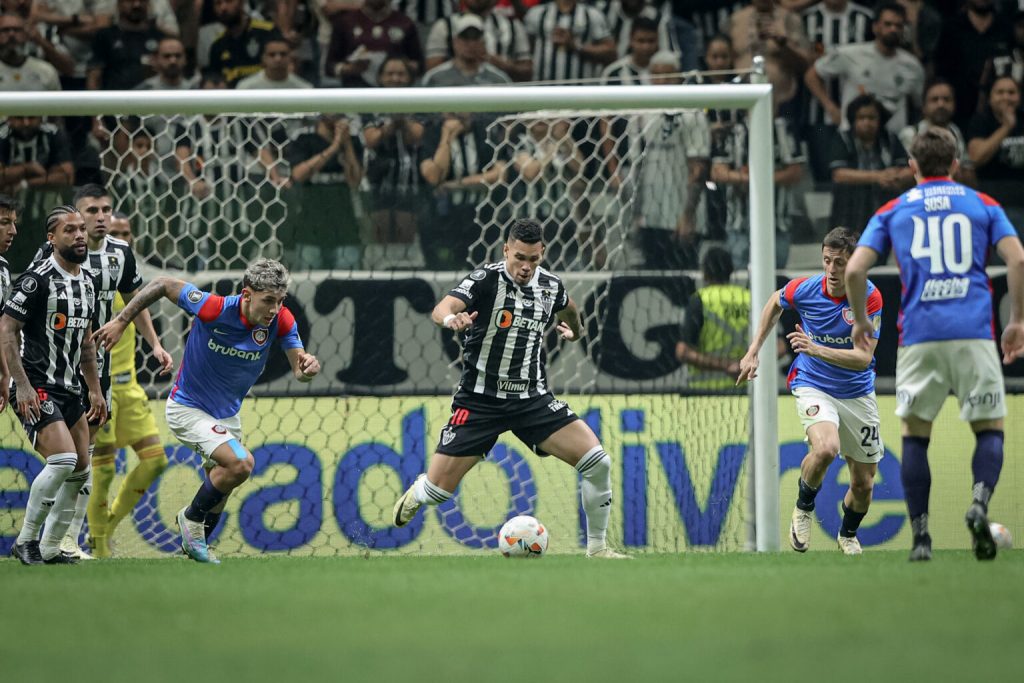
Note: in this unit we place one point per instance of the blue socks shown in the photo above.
(805, 496)
(987, 464)
(916, 475)
(851, 522)
(207, 498)
(210, 523)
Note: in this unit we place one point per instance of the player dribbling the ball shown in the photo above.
(501, 312)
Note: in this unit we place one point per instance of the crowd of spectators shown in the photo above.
(853, 83)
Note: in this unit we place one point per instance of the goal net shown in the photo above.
(378, 216)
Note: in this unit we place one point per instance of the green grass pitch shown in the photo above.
(690, 617)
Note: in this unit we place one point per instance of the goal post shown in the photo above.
(756, 98)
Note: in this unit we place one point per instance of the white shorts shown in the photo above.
(200, 431)
(925, 374)
(855, 418)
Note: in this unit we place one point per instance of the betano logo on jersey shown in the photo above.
(505, 319)
(59, 321)
(233, 352)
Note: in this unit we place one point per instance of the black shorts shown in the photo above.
(478, 421)
(107, 396)
(54, 405)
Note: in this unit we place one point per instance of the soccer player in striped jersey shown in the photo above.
(8, 229)
(227, 349)
(112, 265)
(833, 380)
(940, 233)
(131, 423)
(501, 312)
(46, 334)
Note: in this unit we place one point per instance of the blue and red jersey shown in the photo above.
(828, 321)
(940, 233)
(224, 354)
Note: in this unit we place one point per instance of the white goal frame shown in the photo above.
(756, 98)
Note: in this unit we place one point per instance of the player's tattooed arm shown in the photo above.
(148, 332)
(91, 375)
(10, 333)
(451, 312)
(770, 315)
(569, 322)
(160, 287)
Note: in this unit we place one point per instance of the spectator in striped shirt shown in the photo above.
(570, 41)
(620, 15)
(829, 24)
(508, 46)
(634, 67)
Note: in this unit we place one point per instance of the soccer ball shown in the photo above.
(1001, 535)
(523, 536)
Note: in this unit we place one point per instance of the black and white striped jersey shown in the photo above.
(502, 353)
(827, 30)
(58, 309)
(425, 11)
(113, 268)
(5, 282)
(620, 25)
(586, 24)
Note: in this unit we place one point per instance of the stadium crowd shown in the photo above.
(853, 83)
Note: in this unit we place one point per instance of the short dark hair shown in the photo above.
(841, 238)
(120, 215)
(934, 151)
(866, 100)
(527, 230)
(89, 191)
(717, 265)
(8, 203)
(643, 23)
(992, 84)
(935, 83)
(211, 76)
(890, 6)
(56, 215)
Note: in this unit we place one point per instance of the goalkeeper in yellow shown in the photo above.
(131, 424)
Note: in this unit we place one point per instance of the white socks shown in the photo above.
(59, 467)
(425, 492)
(75, 529)
(596, 491)
(63, 512)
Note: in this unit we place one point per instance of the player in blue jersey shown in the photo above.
(833, 381)
(225, 354)
(940, 233)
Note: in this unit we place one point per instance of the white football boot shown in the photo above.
(849, 546)
(800, 530)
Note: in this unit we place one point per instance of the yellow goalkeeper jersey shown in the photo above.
(122, 356)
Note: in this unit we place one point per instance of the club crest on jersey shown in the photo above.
(28, 285)
(46, 407)
(813, 410)
(113, 265)
(194, 296)
(848, 316)
(260, 335)
(447, 436)
(217, 429)
(478, 275)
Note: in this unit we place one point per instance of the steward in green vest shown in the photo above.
(716, 329)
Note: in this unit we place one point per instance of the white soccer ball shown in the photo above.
(1001, 535)
(523, 536)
